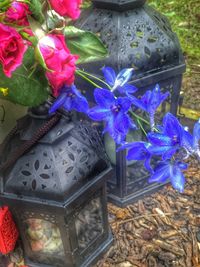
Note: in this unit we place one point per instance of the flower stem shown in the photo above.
(87, 79)
(138, 117)
(141, 126)
(152, 122)
(141, 119)
(96, 78)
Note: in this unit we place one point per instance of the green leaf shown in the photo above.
(85, 44)
(4, 4)
(22, 89)
(36, 9)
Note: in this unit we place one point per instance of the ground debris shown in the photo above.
(161, 230)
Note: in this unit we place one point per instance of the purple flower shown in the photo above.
(70, 99)
(172, 171)
(119, 82)
(168, 141)
(138, 151)
(191, 142)
(150, 102)
(113, 111)
(196, 137)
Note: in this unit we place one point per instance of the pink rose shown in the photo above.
(12, 49)
(70, 8)
(58, 60)
(17, 13)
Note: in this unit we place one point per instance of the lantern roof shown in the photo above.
(65, 159)
(140, 38)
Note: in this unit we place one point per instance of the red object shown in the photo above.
(8, 231)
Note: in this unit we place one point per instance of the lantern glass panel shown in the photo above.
(44, 236)
(44, 239)
(89, 223)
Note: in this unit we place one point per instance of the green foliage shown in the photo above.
(4, 4)
(24, 87)
(185, 20)
(36, 9)
(85, 44)
(86, 4)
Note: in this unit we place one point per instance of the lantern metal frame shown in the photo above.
(34, 190)
(137, 36)
(23, 208)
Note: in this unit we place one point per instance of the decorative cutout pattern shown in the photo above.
(59, 168)
(144, 40)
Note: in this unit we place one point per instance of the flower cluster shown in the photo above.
(18, 27)
(169, 142)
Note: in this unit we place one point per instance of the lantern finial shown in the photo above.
(119, 5)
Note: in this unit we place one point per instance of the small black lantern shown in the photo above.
(139, 37)
(56, 190)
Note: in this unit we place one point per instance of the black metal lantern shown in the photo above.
(136, 36)
(56, 190)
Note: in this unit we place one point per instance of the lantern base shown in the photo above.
(135, 196)
(92, 259)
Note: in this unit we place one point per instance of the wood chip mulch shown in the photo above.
(161, 230)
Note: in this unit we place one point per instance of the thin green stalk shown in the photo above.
(96, 78)
(87, 79)
(141, 126)
(138, 117)
(31, 73)
(141, 119)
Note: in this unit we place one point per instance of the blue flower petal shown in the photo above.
(104, 98)
(68, 104)
(161, 174)
(124, 102)
(118, 135)
(157, 97)
(138, 103)
(158, 150)
(58, 103)
(187, 140)
(127, 89)
(109, 126)
(122, 123)
(182, 165)
(109, 75)
(172, 127)
(164, 96)
(80, 104)
(146, 98)
(77, 101)
(147, 163)
(98, 113)
(159, 139)
(138, 151)
(169, 153)
(123, 77)
(196, 134)
(119, 138)
(177, 179)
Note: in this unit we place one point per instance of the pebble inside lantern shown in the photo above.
(56, 190)
(139, 37)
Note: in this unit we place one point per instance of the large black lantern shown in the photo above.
(139, 37)
(56, 190)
